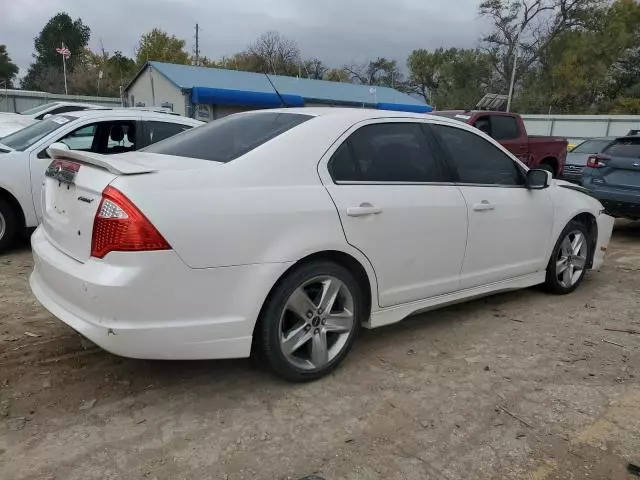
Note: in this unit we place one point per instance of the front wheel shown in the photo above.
(310, 321)
(568, 264)
(8, 226)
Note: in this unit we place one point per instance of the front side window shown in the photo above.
(23, 139)
(80, 139)
(228, 138)
(504, 127)
(387, 152)
(476, 160)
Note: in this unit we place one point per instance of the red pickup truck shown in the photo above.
(508, 129)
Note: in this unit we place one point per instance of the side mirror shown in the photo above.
(538, 179)
(57, 146)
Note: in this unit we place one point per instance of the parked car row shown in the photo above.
(282, 232)
(24, 155)
(609, 168)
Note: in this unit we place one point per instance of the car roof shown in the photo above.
(133, 113)
(356, 114)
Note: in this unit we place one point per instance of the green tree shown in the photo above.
(8, 69)
(61, 28)
(381, 72)
(159, 46)
(451, 78)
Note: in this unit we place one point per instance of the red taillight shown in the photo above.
(595, 161)
(120, 227)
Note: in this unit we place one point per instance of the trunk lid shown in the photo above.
(74, 182)
(621, 172)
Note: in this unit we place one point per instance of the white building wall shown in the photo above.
(163, 91)
(580, 127)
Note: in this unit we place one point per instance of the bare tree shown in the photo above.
(275, 53)
(381, 72)
(314, 68)
(526, 28)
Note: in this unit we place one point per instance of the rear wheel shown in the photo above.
(548, 168)
(568, 264)
(8, 226)
(311, 321)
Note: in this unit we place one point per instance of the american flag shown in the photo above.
(64, 51)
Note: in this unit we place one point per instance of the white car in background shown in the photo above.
(24, 158)
(287, 230)
(12, 122)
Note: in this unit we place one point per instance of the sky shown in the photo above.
(336, 31)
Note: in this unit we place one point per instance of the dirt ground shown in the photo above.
(517, 386)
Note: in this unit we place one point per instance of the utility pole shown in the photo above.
(197, 45)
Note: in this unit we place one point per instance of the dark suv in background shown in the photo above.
(613, 177)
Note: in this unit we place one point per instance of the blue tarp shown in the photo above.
(400, 107)
(223, 96)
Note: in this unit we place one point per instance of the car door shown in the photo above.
(398, 207)
(509, 225)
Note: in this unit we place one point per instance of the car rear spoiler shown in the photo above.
(116, 164)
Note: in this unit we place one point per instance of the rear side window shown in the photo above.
(476, 160)
(386, 152)
(592, 146)
(228, 138)
(623, 147)
(157, 131)
(504, 127)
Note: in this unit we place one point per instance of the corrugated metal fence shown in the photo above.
(580, 127)
(21, 100)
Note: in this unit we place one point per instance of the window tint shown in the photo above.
(230, 137)
(80, 139)
(156, 131)
(476, 160)
(504, 127)
(386, 152)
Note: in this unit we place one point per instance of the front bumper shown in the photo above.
(150, 304)
(605, 229)
(617, 202)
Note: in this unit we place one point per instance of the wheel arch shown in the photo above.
(589, 221)
(553, 163)
(362, 271)
(13, 202)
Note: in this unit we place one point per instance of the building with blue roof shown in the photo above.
(210, 93)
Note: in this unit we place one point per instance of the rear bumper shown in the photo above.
(151, 305)
(618, 203)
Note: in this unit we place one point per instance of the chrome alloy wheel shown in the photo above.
(316, 322)
(572, 258)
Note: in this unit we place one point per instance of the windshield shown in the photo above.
(624, 147)
(230, 137)
(592, 146)
(38, 109)
(23, 139)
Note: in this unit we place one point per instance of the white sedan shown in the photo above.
(283, 232)
(12, 122)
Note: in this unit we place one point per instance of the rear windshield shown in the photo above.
(230, 137)
(592, 146)
(38, 109)
(23, 139)
(624, 147)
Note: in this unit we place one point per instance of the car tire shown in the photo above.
(568, 263)
(548, 168)
(8, 225)
(297, 338)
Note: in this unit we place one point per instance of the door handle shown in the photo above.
(363, 210)
(484, 206)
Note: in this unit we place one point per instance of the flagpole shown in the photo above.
(64, 69)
